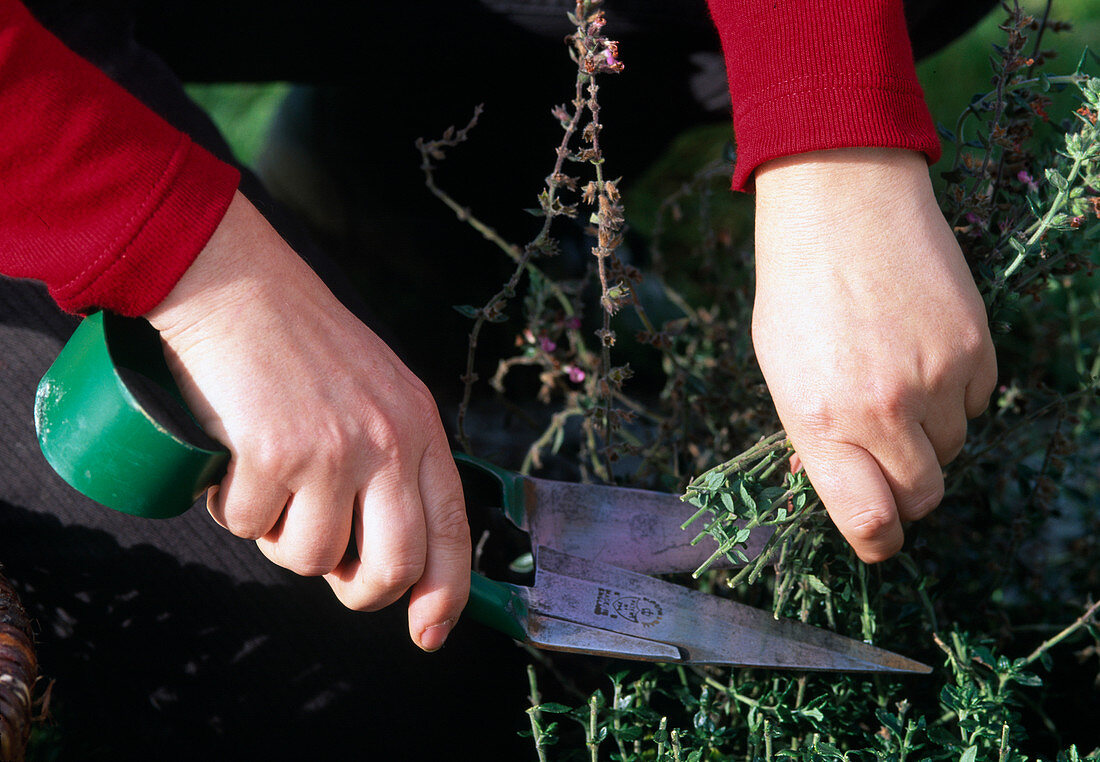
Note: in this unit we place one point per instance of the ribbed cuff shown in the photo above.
(813, 76)
(177, 220)
(817, 114)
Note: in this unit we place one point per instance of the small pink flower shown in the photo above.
(973, 219)
(576, 375)
(572, 323)
(1027, 180)
(547, 345)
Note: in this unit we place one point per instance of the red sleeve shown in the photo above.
(99, 197)
(811, 76)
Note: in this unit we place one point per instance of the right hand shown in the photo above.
(332, 440)
(870, 333)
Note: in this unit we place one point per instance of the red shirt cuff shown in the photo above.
(100, 198)
(808, 77)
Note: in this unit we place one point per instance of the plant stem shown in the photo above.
(1042, 227)
(535, 715)
(1080, 622)
(590, 731)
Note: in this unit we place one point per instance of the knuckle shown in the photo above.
(972, 337)
(270, 457)
(449, 527)
(870, 527)
(334, 442)
(242, 522)
(391, 579)
(424, 413)
(386, 434)
(922, 504)
(889, 402)
(819, 414)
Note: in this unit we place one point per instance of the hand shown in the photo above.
(870, 332)
(331, 437)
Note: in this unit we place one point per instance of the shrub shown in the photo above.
(995, 588)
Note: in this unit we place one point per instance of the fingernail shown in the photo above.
(433, 637)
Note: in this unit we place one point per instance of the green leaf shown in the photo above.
(552, 708)
(826, 751)
(969, 755)
(1056, 179)
(746, 498)
(523, 564)
(1028, 678)
(818, 586)
(467, 311)
(950, 698)
(812, 714)
(940, 736)
(727, 500)
(890, 721)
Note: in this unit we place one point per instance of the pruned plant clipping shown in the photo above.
(998, 589)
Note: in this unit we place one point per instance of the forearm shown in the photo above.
(106, 203)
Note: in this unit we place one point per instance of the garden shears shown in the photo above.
(594, 546)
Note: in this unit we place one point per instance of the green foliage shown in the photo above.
(243, 112)
(996, 589)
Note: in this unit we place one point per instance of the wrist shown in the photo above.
(845, 207)
(843, 171)
(215, 275)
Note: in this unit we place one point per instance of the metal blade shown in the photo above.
(628, 528)
(707, 629)
(559, 635)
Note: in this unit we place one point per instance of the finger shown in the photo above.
(795, 463)
(390, 542)
(945, 428)
(982, 385)
(311, 536)
(441, 594)
(855, 492)
(910, 465)
(245, 503)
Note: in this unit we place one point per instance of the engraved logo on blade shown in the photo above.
(633, 608)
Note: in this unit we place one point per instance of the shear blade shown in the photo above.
(706, 629)
(559, 635)
(627, 528)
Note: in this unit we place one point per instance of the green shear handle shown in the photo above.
(98, 435)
